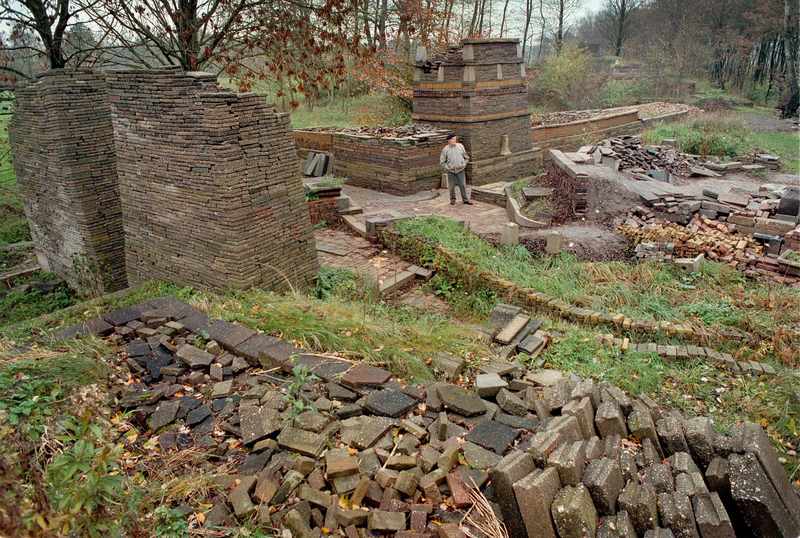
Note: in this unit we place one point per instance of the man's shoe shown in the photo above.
(468, 202)
(452, 202)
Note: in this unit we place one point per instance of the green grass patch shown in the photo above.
(726, 136)
(396, 337)
(648, 290)
(693, 387)
(706, 135)
(28, 300)
(784, 145)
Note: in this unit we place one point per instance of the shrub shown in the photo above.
(570, 79)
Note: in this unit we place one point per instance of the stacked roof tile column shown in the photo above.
(210, 190)
(63, 151)
(477, 90)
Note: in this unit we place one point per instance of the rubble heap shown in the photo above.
(751, 233)
(628, 152)
(552, 454)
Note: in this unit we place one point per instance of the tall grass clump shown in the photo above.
(712, 134)
(718, 295)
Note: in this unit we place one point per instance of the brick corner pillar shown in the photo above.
(477, 90)
(63, 151)
(210, 190)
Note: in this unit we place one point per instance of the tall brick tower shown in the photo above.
(477, 90)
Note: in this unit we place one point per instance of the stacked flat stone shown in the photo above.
(63, 151)
(209, 184)
(477, 90)
(557, 456)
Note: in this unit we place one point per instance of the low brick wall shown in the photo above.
(398, 166)
(548, 136)
(326, 210)
(571, 136)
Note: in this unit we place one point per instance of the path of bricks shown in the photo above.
(337, 248)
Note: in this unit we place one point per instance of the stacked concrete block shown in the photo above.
(477, 90)
(208, 183)
(63, 151)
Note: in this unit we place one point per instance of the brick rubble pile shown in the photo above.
(371, 456)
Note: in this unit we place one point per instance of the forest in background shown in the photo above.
(360, 52)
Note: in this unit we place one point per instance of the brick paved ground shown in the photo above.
(337, 248)
(354, 252)
(483, 218)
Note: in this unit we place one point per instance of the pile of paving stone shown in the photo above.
(630, 153)
(554, 455)
(563, 117)
(751, 233)
(403, 131)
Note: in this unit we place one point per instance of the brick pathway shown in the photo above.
(482, 218)
(354, 252)
(340, 249)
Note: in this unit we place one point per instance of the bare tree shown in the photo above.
(43, 29)
(560, 12)
(618, 19)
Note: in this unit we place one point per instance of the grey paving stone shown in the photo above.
(640, 502)
(511, 404)
(493, 435)
(754, 495)
(584, 413)
(364, 375)
(165, 414)
(363, 432)
(449, 365)
(569, 461)
(677, 515)
(700, 435)
(603, 479)
(670, 432)
(390, 403)
(504, 475)
(573, 512)
(711, 517)
(534, 494)
(302, 442)
(478, 457)
(610, 420)
(488, 385)
(460, 400)
(194, 357)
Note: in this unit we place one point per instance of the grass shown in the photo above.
(643, 291)
(724, 135)
(691, 386)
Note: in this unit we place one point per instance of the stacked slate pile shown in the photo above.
(630, 153)
(403, 131)
(563, 117)
(371, 456)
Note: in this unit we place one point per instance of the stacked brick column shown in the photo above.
(477, 90)
(209, 186)
(63, 152)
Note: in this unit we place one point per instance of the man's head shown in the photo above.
(452, 139)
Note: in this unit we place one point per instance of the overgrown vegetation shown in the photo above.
(726, 136)
(647, 290)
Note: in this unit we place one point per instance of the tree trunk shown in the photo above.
(503, 20)
(790, 108)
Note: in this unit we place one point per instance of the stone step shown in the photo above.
(331, 250)
(421, 272)
(395, 282)
(359, 227)
(19, 273)
(352, 210)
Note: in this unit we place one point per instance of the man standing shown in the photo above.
(454, 160)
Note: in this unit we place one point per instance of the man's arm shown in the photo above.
(443, 158)
(464, 154)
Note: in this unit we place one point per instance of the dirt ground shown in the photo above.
(769, 124)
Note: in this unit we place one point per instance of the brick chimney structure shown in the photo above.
(477, 90)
